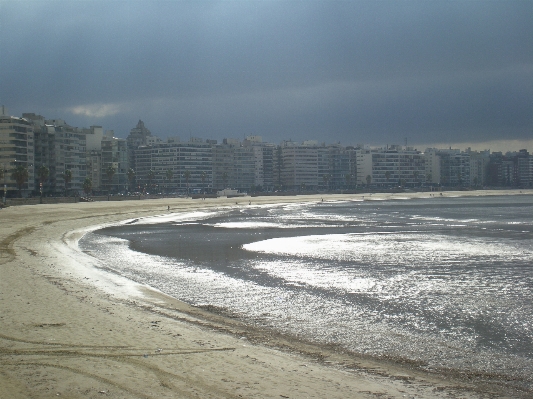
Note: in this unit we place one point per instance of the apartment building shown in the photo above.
(391, 166)
(223, 161)
(114, 163)
(62, 149)
(530, 171)
(174, 166)
(432, 161)
(523, 162)
(93, 138)
(180, 166)
(510, 169)
(350, 157)
(363, 161)
(94, 169)
(245, 166)
(139, 136)
(479, 162)
(336, 167)
(263, 154)
(454, 168)
(17, 150)
(72, 154)
(107, 160)
(245, 161)
(299, 165)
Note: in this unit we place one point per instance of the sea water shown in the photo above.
(444, 282)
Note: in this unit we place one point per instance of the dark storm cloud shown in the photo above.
(354, 71)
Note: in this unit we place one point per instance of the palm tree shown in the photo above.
(348, 178)
(326, 178)
(387, 175)
(131, 177)
(43, 172)
(67, 177)
(187, 175)
(204, 176)
(20, 175)
(110, 172)
(368, 180)
(169, 174)
(224, 179)
(151, 177)
(87, 185)
(415, 174)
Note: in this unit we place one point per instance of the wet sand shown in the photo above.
(69, 329)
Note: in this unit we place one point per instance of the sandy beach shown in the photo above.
(69, 329)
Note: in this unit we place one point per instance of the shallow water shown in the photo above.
(444, 281)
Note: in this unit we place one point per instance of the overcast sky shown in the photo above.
(372, 72)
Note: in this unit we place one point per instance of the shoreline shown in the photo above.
(63, 334)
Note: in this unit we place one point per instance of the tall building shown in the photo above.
(60, 148)
(530, 170)
(245, 160)
(235, 163)
(174, 166)
(114, 163)
(495, 173)
(391, 166)
(268, 151)
(139, 136)
(16, 151)
(223, 171)
(94, 136)
(363, 165)
(479, 161)
(349, 166)
(336, 167)
(263, 155)
(511, 169)
(523, 161)
(432, 160)
(107, 161)
(325, 168)
(299, 170)
(94, 169)
(245, 166)
(454, 168)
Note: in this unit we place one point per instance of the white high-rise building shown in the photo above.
(16, 152)
(432, 159)
(391, 166)
(299, 165)
(182, 166)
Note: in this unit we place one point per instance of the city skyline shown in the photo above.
(433, 74)
(499, 146)
(36, 150)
